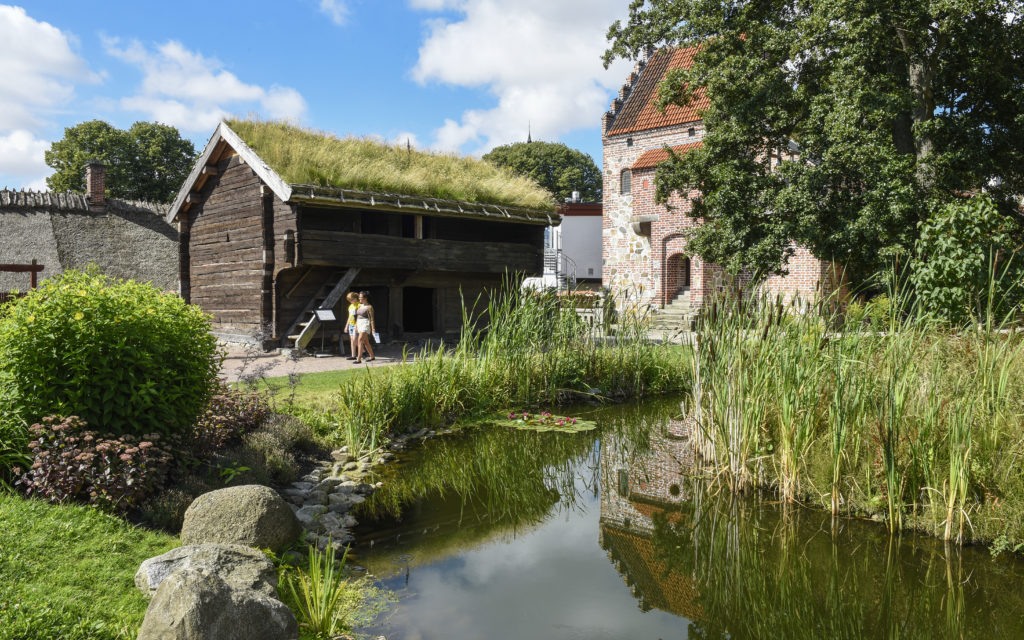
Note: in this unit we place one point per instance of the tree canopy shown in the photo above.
(149, 161)
(553, 165)
(898, 108)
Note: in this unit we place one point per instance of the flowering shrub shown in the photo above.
(229, 414)
(72, 463)
(126, 357)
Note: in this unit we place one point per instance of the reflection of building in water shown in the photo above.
(638, 484)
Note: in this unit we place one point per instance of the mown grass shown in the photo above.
(524, 351)
(305, 156)
(909, 420)
(67, 571)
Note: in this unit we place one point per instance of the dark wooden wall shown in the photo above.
(225, 249)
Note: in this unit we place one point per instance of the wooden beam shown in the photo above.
(211, 170)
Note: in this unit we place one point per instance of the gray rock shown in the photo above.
(195, 604)
(350, 466)
(328, 484)
(309, 515)
(241, 567)
(251, 515)
(302, 486)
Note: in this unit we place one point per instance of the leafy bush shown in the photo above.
(124, 356)
(71, 463)
(966, 265)
(229, 414)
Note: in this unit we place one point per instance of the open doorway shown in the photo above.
(678, 275)
(418, 304)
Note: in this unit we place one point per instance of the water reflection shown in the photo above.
(503, 534)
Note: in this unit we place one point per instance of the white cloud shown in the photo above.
(21, 156)
(541, 60)
(402, 138)
(192, 92)
(336, 10)
(40, 70)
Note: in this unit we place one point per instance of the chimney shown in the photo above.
(95, 184)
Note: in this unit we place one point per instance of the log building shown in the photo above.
(262, 254)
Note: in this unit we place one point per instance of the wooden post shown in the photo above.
(32, 274)
(417, 227)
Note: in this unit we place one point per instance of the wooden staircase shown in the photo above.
(330, 292)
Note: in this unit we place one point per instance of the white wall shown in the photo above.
(581, 241)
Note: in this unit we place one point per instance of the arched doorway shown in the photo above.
(677, 278)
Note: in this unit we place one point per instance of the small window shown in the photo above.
(624, 181)
(692, 132)
(629, 142)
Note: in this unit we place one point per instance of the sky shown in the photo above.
(446, 75)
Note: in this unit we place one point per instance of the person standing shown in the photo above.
(365, 325)
(350, 326)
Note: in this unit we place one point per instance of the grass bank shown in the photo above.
(67, 571)
(531, 352)
(907, 420)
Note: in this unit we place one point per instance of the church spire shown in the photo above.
(529, 137)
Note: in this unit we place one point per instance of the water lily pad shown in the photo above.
(546, 422)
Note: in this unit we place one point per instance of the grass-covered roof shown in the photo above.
(304, 156)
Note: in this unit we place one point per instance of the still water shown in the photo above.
(499, 534)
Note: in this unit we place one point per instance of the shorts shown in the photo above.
(363, 325)
(352, 330)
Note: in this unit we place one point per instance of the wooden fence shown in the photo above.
(32, 269)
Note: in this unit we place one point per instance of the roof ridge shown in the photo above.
(69, 201)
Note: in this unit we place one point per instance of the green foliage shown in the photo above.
(553, 165)
(531, 351)
(149, 161)
(312, 157)
(125, 357)
(321, 596)
(966, 264)
(898, 108)
(911, 419)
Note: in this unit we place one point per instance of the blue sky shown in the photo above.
(450, 75)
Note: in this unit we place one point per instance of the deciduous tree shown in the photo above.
(149, 161)
(553, 165)
(899, 107)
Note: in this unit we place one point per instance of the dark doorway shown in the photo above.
(684, 273)
(418, 309)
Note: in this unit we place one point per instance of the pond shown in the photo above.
(498, 533)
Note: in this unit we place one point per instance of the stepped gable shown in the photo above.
(635, 110)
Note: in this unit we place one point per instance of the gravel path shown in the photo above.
(272, 365)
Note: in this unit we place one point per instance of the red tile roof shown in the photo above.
(654, 157)
(639, 112)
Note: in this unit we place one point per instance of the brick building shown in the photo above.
(644, 243)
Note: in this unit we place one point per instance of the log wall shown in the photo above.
(226, 250)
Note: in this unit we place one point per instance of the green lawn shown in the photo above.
(311, 389)
(67, 571)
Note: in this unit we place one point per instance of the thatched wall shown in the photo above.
(126, 240)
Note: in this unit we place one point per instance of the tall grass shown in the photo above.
(305, 156)
(522, 350)
(905, 418)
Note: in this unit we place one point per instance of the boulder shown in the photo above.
(251, 515)
(241, 567)
(195, 604)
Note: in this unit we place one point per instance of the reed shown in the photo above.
(520, 350)
(874, 411)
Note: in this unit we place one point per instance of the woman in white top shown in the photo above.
(365, 325)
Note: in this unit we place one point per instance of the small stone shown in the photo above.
(328, 484)
(302, 486)
(309, 514)
(351, 466)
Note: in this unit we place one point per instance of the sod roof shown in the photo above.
(306, 157)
